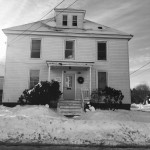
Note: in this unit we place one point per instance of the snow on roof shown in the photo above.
(49, 25)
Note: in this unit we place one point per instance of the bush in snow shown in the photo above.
(41, 94)
(110, 96)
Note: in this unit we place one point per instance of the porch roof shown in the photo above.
(69, 63)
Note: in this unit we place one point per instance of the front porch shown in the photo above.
(75, 78)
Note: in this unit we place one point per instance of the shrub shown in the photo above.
(43, 93)
(111, 97)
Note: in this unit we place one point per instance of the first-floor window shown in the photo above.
(34, 77)
(102, 80)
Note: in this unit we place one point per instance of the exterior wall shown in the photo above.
(18, 63)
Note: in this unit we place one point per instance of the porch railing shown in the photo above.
(85, 94)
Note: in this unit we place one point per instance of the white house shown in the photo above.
(65, 48)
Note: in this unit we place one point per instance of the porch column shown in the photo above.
(49, 73)
(90, 79)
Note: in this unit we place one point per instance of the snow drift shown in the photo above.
(39, 124)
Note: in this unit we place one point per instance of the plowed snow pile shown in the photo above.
(39, 124)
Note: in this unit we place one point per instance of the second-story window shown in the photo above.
(74, 20)
(69, 49)
(64, 22)
(35, 48)
(101, 50)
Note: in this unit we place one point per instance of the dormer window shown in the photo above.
(74, 20)
(64, 22)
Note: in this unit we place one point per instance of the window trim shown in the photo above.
(65, 49)
(32, 38)
(107, 77)
(75, 20)
(102, 41)
(29, 75)
(63, 20)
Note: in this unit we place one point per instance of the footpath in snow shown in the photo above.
(41, 125)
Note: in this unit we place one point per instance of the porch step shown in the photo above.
(70, 107)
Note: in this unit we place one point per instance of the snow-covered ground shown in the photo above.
(140, 107)
(39, 124)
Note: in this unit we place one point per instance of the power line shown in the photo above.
(36, 21)
(140, 68)
(51, 18)
(141, 72)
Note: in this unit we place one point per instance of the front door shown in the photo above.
(69, 86)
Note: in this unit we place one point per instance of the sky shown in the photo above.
(130, 16)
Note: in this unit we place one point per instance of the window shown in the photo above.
(74, 21)
(64, 20)
(69, 50)
(102, 80)
(101, 50)
(34, 77)
(35, 48)
(68, 81)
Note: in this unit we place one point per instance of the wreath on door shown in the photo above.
(80, 80)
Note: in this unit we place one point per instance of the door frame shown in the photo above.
(75, 83)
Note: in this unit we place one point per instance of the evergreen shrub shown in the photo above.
(41, 94)
(110, 96)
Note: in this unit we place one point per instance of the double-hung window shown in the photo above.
(102, 50)
(102, 80)
(35, 48)
(34, 77)
(64, 21)
(74, 20)
(69, 49)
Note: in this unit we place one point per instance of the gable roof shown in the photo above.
(49, 25)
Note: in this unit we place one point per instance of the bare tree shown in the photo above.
(139, 93)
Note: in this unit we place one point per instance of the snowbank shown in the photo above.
(140, 107)
(39, 124)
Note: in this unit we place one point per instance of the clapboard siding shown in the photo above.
(17, 79)
(19, 63)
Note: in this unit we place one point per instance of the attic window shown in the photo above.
(64, 22)
(74, 20)
(100, 27)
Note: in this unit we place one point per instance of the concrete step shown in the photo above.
(69, 104)
(70, 107)
(71, 114)
(65, 101)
